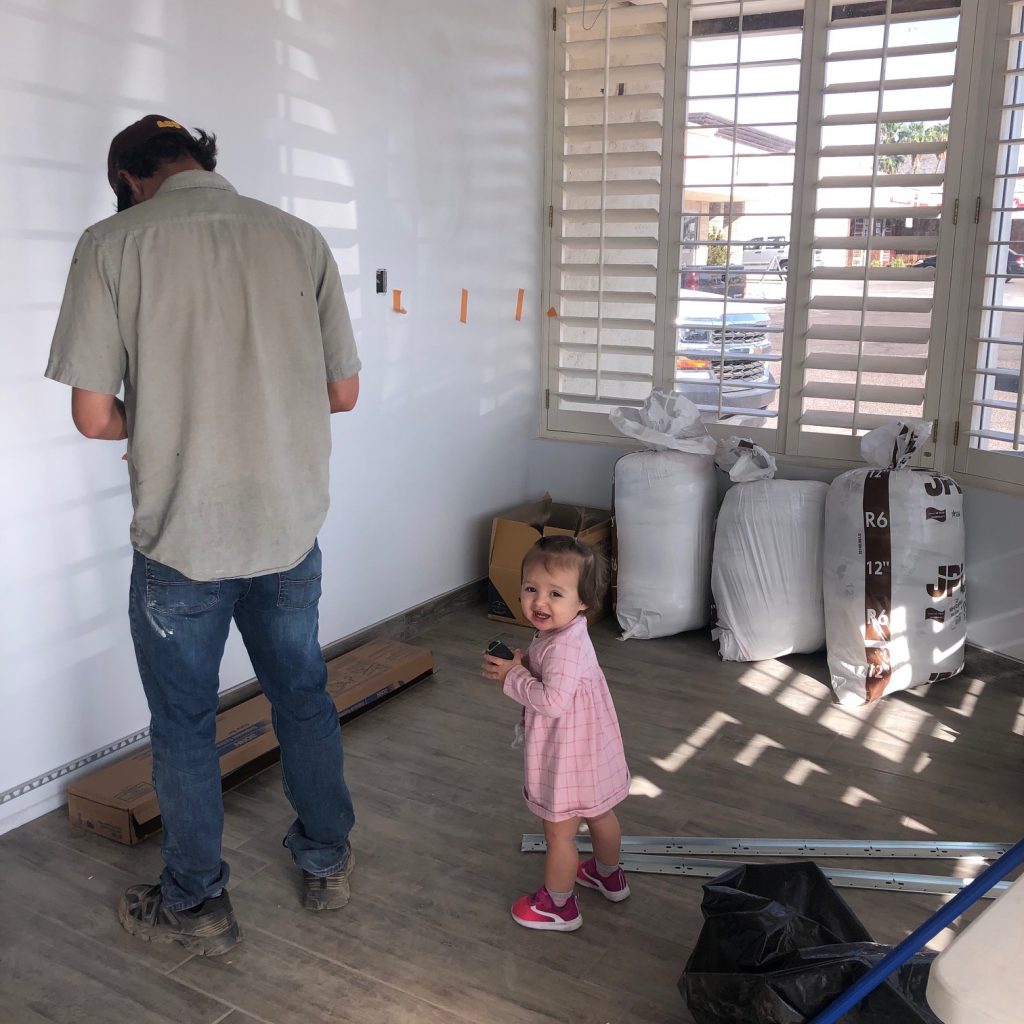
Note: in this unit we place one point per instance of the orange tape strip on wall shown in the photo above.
(519, 304)
(465, 306)
(396, 301)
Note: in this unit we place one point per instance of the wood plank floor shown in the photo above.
(715, 749)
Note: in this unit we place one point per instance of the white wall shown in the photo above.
(995, 538)
(411, 134)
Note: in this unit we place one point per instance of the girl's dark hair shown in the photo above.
(562, 552)
(144, 161)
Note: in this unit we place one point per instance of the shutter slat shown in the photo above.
(638, 216)
(634, 161)
(610, 269)
(587, 374)
(880, 304)
(600, 403)
(648, 45)
(641, 131)
(640, 298)
(896, 243)
(854, 20)
(573, 242)
(891, 52)
(894, 335)
(881, 181)
(935, 82)
(885, 149)
(888, 116)
(642, 14)
(883, 394)
(630, 103)
(608, 323)
(627, 73)
(626, 187)
(588, 348)
(898, 365)
(879, 212)
(830, 418)
(873, 273)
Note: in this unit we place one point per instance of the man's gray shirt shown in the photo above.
(223, 318)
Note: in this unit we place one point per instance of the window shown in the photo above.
(605, 213)
(768, 205)
(991, 410)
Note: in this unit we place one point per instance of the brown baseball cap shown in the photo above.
(135, 135)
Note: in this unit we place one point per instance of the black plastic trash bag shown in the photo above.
(779, 944)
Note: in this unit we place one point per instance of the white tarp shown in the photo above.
(665, 503)
(895, 602)
(766, 571)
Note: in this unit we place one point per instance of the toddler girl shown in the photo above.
(575, 765)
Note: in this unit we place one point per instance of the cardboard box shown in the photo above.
(118, 800)
(516, 531)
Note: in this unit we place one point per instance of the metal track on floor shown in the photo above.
(701, 846)
(663, 855)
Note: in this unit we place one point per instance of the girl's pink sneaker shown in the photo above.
(538, 910)
(612, 887)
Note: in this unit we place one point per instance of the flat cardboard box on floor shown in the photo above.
(514, 532)
(118, 800)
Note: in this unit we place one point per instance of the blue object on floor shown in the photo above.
(912, 943)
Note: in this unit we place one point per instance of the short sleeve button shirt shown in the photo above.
(223, 318)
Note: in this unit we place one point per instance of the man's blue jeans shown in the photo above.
(180, 627)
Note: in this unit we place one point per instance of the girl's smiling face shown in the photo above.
(549, 596)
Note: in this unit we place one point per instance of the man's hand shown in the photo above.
(98, 416)
(498, 668)
(343, 394)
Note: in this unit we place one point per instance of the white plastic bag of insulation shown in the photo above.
(665, 503)
(895, 598)
(767, 565)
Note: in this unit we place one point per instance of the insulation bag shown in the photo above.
(665, 503)
(767, 564)
(893, 583)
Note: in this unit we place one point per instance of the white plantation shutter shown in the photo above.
(991, 424)
(868, 336)
(740, 95)
(607, 162)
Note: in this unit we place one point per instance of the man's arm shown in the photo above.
(343, 394)
(98, 416)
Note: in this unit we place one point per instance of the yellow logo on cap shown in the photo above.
(167, 124)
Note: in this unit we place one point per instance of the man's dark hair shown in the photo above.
(145, 160)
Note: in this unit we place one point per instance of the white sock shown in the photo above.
(604, 870)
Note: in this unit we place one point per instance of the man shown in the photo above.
(225, 322)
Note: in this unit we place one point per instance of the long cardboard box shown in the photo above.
(118, 800)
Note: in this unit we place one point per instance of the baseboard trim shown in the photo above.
(403, 626)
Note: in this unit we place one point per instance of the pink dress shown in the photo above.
(575, 764)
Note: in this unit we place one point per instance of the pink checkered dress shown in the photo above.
(575, 764)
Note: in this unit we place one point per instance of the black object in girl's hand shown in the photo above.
(496, 649)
